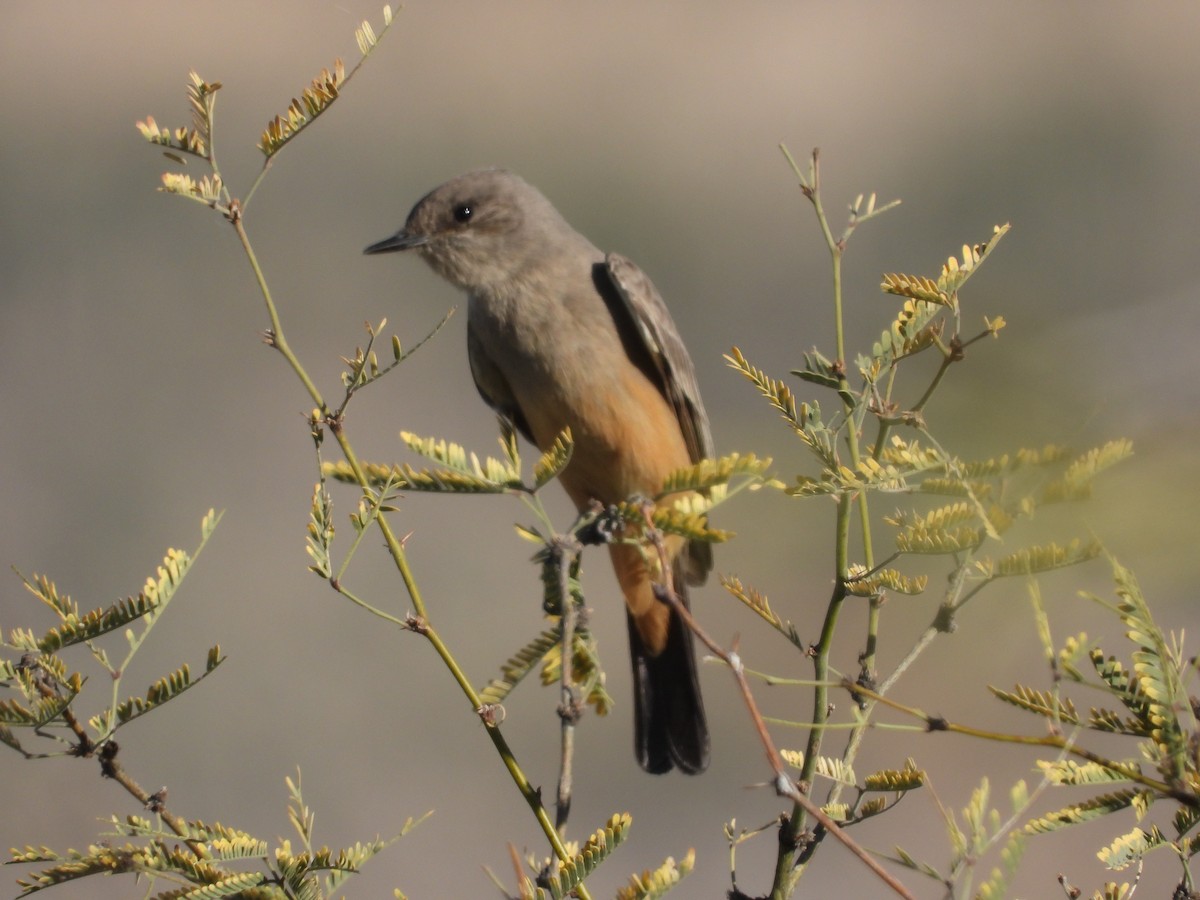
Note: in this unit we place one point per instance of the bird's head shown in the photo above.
(477, 230)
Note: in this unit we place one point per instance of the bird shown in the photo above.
(561, 335)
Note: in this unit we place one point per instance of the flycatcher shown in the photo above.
(561, 335)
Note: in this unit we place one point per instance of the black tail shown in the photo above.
(670, 730)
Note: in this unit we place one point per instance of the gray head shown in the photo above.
(480, 229)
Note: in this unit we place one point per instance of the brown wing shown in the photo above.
(662, 343)
(492, 386)
(676, 375)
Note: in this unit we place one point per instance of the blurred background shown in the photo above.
(137, 393)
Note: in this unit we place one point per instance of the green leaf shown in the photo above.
(586, 673)
(462, 471)
(694, 527)
(918, 539)
(835, 770)
(1128, 690)
(1085, 811)
(915, 287)
(906, 859)
(459, 472)
(554, 460)
(1041, 558)
(1053, 708)
(559, 567)
(839, 812)
(1185, 819)
(794, 758)
(912, 331)
(319, 95)
(956, 272)
(320, 532)
(804, 420)
(1130, 848)
(1069, 772)
(1158, 678)
(194, 140)
(907, 779)
(377, 476)
(75, 629)
(155, 595)
(652, 884)
(364, 366)
(162, 691)
(872, 807)
(1006, 463)
(46, 591)
(996, 887)
(303, 111)
(1076, 482)
(821, 371)
(572, 872)
(531, 534)
(754, 599)
(955, 487)
(862, 585)
(940, 518)
(519, 665)
(350, 860)
(775, 391)
(40, 711)
(1100, 719)
(709, 473)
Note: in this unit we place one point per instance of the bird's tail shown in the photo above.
(670, 730)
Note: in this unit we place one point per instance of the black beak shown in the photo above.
(401, 240)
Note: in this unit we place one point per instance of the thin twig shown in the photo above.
(110, 768)
(783, 783)
(1054, 741)
(418, 622)
(568, 710)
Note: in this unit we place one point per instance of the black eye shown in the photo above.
(463, 213)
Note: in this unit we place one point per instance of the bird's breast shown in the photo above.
(566, 367)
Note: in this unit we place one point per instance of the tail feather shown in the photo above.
(670, 729)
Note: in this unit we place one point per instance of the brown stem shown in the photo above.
(568, 711)
(1052, 741)
(784, 786)
(110, 768)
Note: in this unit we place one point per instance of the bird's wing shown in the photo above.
(660, 339)
(655, 330)
(492, 385)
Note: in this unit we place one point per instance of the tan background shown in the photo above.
(136, 393)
